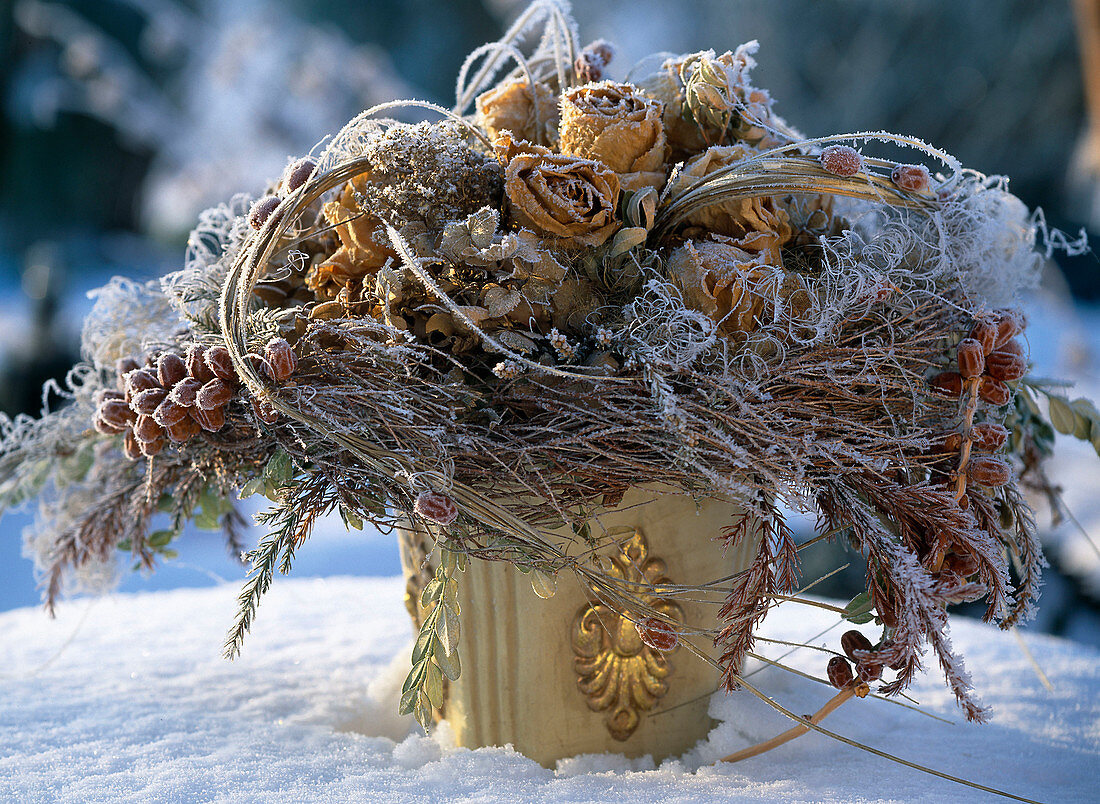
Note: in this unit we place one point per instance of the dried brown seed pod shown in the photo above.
(297, 173)
(853, 640)
(1006, 366)
(868, 671)
(214, 394)
(988, 437)
(146, 429)
(841, 160)
(209, 420)
(1013, 347)
(912, 178)
(183, 430)
(435, 507)
(140, 380)
(170, 369)
(116, 413)
(169, 413)
(196, 363)
(1010, 323)
(221, 364)
(131, 447)
(151, 448)
(971, 359)
(148, 401)
(104, 427)
(124, 365)
(985, 333)
(185, 392)
(947, 382)
(259, 364)
(962, 564)
(103, 394)
(994, 391)
(262, 210)
(840, 672)
(658, 634)
(265, 412)
(964, 502)
(952, 443)
(281, 359)
(988, 471)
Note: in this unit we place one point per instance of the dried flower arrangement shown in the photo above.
(495, 325)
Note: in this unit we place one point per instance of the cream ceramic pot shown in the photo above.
(566, 675)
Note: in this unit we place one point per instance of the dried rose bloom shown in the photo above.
(735, 288)
(619, 126)
(570, 199)
(512, 107)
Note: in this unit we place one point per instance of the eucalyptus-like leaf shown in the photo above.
(447, 627)
(544, 584)
(448, 663)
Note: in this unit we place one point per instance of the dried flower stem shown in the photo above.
(830, 706)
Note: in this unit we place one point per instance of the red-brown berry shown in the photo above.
(148, 401)
(985, 333)
(169, 413)
(117, 413)
(146, 429)
(988, 471)
(947, 382)
(658, 634)
(221, 364)
(1006, 365)
(841, 160)
(140, 380)
(1010, 323)
(183, 430)
(185, 392)
(124, 365)
(970, 357)
(196, 363)
(868, 671)
(209, 420)
(436, 507)
(151, 448)
(840, 672)
(297, 173)
(911, 178)
(265, 412)
(994, 391)
(281, 359)
(851, 641)
(262, 210)
(988, 437)
(214, 394)
(131, 447)
(170, 369)
(104, 427)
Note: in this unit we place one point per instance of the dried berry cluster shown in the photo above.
(858, 649)
(175, 396)
(988, 359)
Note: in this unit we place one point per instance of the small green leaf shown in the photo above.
(449, 664)
(433, 685)
(169, 553)
(447, 627)
(423, 712)
(279, 470)
(432, 590)
(159, 538)
(860, 609)
(448, 561)
(351, 521)
(126, 545)
(424, 642)
(416, 676)
(253, 486)
(408, 702)
(544, 584)
(1061, 415)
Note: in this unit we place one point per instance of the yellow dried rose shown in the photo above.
(569, 199)
(739, 290)
(617, 125)
(760, 224)
(514, 107)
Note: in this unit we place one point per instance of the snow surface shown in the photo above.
(126, 699)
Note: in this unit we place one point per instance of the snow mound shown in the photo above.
(126, 699)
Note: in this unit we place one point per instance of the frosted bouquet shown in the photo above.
(492, 326)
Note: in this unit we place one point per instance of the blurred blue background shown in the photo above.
(120, 120)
